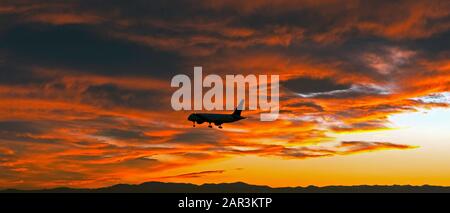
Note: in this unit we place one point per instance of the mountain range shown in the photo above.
(237, 187)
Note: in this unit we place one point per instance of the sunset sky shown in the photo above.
(85, 92)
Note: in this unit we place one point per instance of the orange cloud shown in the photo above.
(193, 174)
(66, 18)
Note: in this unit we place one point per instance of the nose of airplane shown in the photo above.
(191, 117)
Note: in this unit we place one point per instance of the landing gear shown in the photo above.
(193, 123)
(210, 126)
(220, 126)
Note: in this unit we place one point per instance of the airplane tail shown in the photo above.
(238, 110)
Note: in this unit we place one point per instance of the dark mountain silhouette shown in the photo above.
(238, 187)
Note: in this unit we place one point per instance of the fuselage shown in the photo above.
(217, 119)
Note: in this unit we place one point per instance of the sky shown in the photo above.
(85, 92)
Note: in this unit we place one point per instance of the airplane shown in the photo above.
(217, 119)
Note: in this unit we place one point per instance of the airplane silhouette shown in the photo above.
(217, 119)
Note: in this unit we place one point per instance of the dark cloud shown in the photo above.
(305, 153)
(15, 74)
(142, 162)
(124, 134)
(23, 127)
(110, 95)
(307, 85)
(198, 136)
(26, 131)
(432, 47)
(360, 126)
(81, 48)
